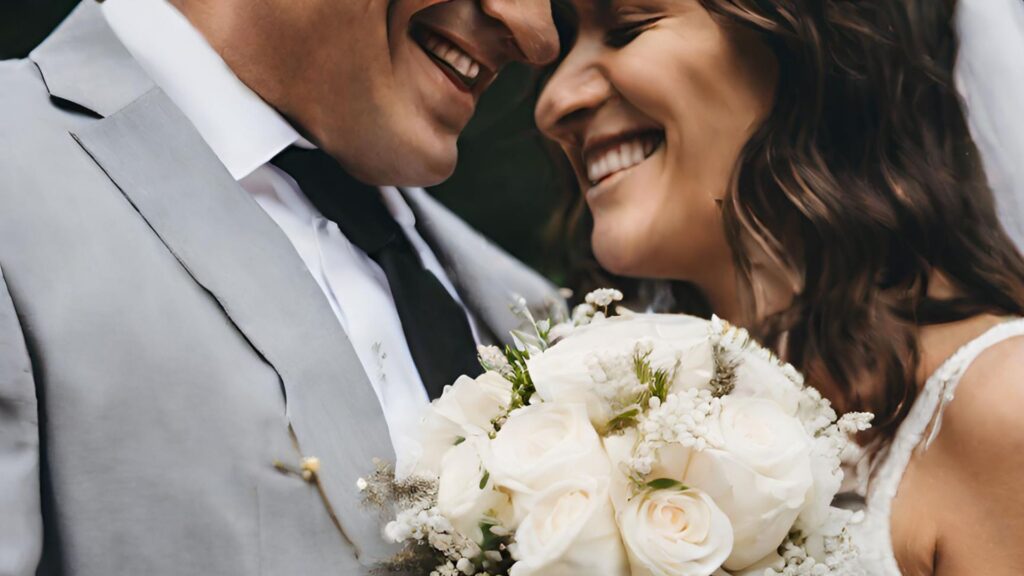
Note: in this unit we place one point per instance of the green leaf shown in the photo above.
(624, 420)
(667, 484)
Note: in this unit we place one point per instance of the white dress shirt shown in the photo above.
(246, 133)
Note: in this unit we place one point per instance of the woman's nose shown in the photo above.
(569, 98)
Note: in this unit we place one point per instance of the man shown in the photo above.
(208, 326)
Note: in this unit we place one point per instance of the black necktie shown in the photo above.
(435, 325)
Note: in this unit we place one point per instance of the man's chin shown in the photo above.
(428, 168)
(406, 168)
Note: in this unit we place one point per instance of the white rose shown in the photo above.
(619, 448)
(464, 409)
(570, 531)
(756, 377)
(562, 373)
(672, 463)
(540, 445)
(675, 533)
(759, 474)
(463, 497)
(828, 480)
(773, 563)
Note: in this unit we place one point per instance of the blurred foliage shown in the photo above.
(504, 184)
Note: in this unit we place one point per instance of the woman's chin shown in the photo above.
(617, 255)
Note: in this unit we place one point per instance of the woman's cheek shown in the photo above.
(647, 83)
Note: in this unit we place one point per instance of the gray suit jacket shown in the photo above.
(162, 345)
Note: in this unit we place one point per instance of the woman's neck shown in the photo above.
(746, 304)
(722, 293)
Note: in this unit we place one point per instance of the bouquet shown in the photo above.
(617, 444)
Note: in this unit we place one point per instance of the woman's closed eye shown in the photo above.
(623, 34)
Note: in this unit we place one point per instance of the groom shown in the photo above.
(209, 323)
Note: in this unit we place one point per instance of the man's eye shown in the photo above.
(623, 35)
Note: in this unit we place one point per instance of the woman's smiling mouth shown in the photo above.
(614, 155)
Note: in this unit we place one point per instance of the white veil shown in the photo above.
(990, 77)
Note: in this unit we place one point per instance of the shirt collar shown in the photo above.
(242, 130)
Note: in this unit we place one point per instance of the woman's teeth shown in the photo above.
(620, 157)
(451, 55)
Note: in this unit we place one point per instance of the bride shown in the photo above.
(808, 168)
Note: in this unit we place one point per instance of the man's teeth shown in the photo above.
(618, 158)
(453, 56)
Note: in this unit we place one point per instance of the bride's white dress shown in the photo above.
(872, 534)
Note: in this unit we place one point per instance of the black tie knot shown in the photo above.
(357, 208)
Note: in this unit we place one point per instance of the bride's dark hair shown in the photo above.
(861, 184)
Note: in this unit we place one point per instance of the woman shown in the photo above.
(807, 167)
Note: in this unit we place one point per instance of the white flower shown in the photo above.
(854, 422)
(465, 409)
(759, 474)
(465, 565)
(571, 530)
(582, 314)
(540, 445)
(826, 470)
(492, 358)
(767, 565)
(819, 518)
(675, 532)
(464, 495)
(560, 331)
(619, 448)
(566, 372)
(603, 297)
(761, 377)
(683, 420)
(520, 307)
(748, 468)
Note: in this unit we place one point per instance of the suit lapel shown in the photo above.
(237, 253)
(83, 62)
(232, 249)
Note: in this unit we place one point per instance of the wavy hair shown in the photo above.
(862, 183)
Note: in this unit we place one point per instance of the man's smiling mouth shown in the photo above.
(461, 68)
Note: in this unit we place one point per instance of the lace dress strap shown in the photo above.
(925, 417)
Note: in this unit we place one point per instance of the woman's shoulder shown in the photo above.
(986, 411)
(977, 460)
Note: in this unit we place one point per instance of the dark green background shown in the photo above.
(503, 186)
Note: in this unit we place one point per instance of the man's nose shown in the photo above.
(531, 25)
